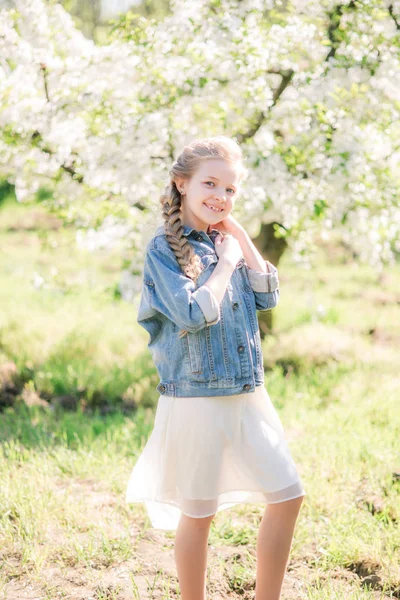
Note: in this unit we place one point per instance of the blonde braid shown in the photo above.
(187, 258)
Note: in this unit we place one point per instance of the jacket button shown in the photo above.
(240, 348)
(199, 237)
(246, 386)
(162, 388)
(235, 305)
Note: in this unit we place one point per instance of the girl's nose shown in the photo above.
(219, 195)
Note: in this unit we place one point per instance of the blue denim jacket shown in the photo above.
(221, 353)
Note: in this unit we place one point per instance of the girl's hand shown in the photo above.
(228, 248)
(229, 225)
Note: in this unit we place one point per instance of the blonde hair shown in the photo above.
(185, 167)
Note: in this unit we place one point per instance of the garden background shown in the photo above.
(92, 113)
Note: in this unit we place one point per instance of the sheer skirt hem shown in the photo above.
(165, 513)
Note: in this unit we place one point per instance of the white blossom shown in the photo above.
(101, 124)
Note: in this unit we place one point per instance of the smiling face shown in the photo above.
(214, 184)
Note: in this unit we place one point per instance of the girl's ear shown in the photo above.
(179, 184)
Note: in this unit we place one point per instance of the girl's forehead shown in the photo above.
(219, 170)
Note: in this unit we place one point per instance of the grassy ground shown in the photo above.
(331, 371)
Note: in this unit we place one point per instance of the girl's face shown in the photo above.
(215, 183)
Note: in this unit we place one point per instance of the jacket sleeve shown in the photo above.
(168, 291)
(265, 286)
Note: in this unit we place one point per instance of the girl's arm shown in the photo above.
(253, 258)
(168, 291)
(263, 275)
(220, 277)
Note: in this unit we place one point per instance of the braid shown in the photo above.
(181, 247)
(187, 258)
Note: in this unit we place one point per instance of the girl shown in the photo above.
(217, 439)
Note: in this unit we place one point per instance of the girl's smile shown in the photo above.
(213, 208)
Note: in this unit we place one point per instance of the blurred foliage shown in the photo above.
(89, 19)
(6, 191)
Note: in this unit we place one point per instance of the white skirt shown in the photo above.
(206, 454)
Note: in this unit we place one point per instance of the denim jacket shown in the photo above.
(221, 353)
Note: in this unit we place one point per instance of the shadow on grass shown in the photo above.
(78, 417)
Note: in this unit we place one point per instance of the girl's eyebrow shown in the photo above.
(216, 178)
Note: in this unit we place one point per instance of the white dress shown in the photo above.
(206, 454)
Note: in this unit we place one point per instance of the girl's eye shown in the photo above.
(233, 191)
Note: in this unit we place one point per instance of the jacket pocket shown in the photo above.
(201, 362)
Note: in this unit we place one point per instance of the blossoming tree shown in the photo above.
(309, 89)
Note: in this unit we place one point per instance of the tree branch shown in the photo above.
(37, 138)
(391, 13)
(43, 68)
(286, 79)
(287, 76)
(334, 22)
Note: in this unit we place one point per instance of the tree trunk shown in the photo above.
(271, 248)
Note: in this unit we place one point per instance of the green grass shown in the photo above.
(331, 372)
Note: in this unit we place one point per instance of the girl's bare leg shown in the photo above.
(273, 547)
(191, 556)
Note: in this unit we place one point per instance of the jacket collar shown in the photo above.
(187, 230)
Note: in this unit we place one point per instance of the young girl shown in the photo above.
(217, 439)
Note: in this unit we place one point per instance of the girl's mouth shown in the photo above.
(216, 210)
